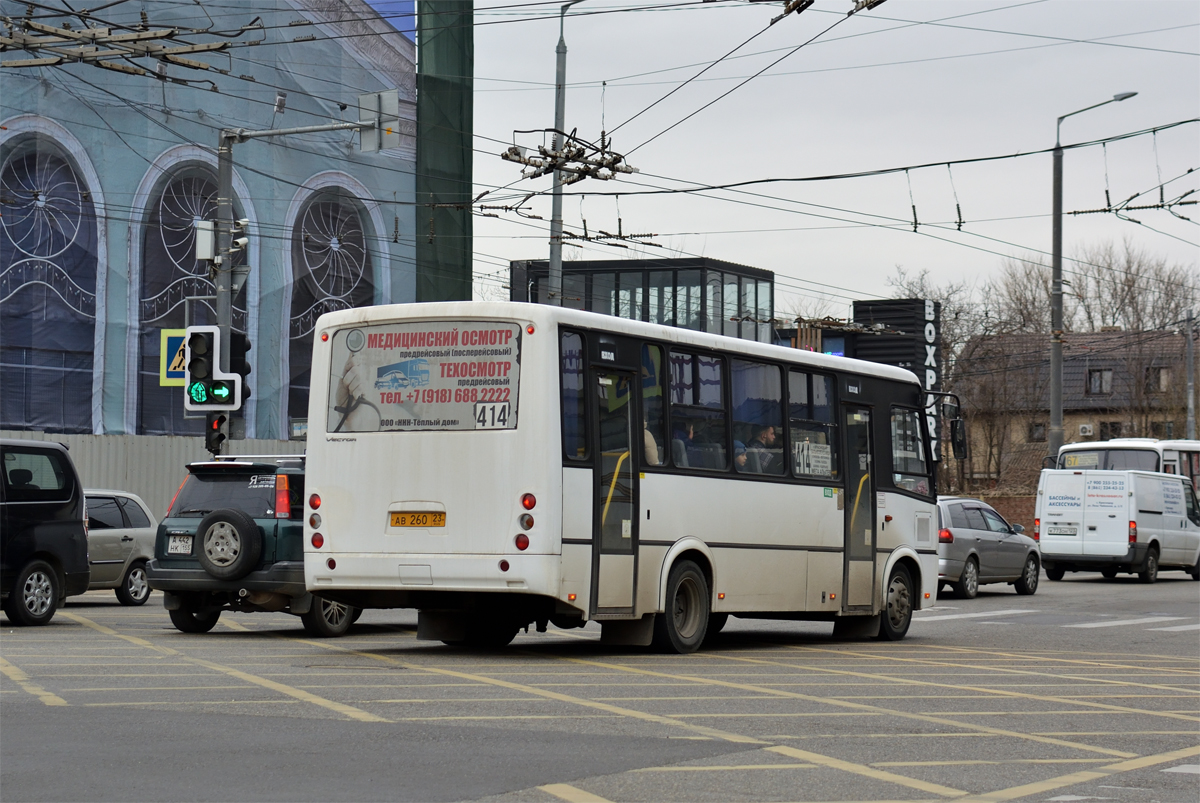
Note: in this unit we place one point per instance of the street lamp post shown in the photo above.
(554, 294)
(1056, 286)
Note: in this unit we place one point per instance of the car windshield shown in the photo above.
(204, 493)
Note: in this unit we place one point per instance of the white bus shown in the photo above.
(563, 466)
(1143, 454)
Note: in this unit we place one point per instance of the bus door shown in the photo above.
(859, 556)
(615, 501)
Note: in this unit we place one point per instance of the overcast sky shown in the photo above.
(908, 83)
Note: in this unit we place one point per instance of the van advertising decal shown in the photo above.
(422, 376)
(1105, 493)
(1173, 501)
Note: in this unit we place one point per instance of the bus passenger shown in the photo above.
(761, 450)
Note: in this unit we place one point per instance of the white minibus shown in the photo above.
(496, 465)
(1140, 454)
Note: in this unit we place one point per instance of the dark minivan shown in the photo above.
(43, 530)
(232, 540)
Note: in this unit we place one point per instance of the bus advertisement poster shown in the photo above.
(427, 375)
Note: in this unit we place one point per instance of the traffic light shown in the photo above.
(239, 363)
(205, 386)
(216, 432)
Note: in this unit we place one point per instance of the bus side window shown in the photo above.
(654, 419)
(573, 410)
(812, 431)
(757, 418)
(698, 416)
(910, 470)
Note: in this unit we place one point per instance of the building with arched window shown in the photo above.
(104, 174)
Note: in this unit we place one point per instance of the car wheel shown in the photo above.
(968, 584)
(1055, 574)
(1027, 583)
(327, 619)
(681, 628)
(229, 544)
(1109, 574)
(898, 606)
(188, 620)
(1149, 571)
(134, 588)
(34, 596)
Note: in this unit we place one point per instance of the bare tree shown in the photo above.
(1128, 288)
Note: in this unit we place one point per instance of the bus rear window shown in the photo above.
(1110, 459)
(423, 376)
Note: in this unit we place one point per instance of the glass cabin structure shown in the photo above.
(706, 295)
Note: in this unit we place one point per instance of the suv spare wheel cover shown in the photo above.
(229, 544)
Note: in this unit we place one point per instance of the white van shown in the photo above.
(1117, 521)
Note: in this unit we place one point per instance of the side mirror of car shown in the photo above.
(1018, 528)
(958, 438)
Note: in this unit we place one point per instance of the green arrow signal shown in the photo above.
(220, 392)
(198, 392)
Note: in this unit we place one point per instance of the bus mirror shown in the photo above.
(958, 438)
(1048, 462)
(949, 408)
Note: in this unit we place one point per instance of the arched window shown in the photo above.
(48, 262)
(332, 270)
(171, 276)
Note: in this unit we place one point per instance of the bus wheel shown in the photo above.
(898, 606)
(682, 627)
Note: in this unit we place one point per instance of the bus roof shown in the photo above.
(546, 315)
(1150, 444)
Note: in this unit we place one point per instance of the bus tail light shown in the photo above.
(283, 500)
(1133, 532)
(314, 501)
(522, 542)
(945, 536)
(318, 540)
(528, 501)
(1037, 529)
(331, 563)
(503, 565)
(526, 521)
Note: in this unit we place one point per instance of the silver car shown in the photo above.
(120, 540)
(976, 546)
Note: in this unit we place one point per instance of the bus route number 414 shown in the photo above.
(491, 415)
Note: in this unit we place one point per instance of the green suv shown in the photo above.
(233, 540)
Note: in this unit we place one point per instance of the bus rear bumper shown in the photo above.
(519, 574)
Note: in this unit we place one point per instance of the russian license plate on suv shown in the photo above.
(179, 545)
(1060, 531)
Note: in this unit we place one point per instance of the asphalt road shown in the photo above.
(1089, 690)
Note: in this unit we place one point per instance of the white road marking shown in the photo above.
(1176, 628)
(1149, 620)
(988, 614)
(1192, 769)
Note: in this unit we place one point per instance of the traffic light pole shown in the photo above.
(222, 262)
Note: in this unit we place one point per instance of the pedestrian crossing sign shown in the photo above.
(170, 357)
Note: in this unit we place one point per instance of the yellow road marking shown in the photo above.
(1040, 787)
(290, 691)
(971, 763)
(552, 695)
(857, 706)
(726, 767)
(21, 679)
(981, 689)
(108, 631)
(865, 771)
(1036, 657)
(235, 626)
(571, 794)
